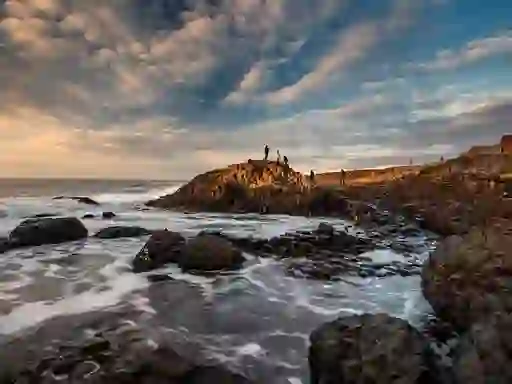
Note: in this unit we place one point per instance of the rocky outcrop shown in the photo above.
(483, 354)
(39, 231)
(116, 232)
(162, 247)
(469, 277)
(79, 199)
(369, 349)
(255, 186)
(210, 253)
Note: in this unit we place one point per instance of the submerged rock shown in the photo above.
(115, 232)
(210, 253)
(33, 232)
(162, 247)
(369, 349)
(108, 215)
(469, 278)
(80, 199)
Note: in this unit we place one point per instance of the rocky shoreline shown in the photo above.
(467, 279)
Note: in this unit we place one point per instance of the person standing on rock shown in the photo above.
(342, 177)
(312, 177)
(285, 160)
(267, 149)
(278, 157)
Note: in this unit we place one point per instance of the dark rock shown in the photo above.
(88, 216)
(4, 244)
(122, 231)
(369, 349)
(108, 215)
(162, 247)
(209, 253)
(43, 215)
(469, 278)
(483, 355)
(325, 229)
(33, 232)
(80, 199)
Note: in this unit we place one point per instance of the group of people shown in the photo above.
(285, 158)
(311, 173)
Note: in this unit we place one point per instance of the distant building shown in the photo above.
(506, 144)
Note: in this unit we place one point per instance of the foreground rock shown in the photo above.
(369, 349)
(39, 231)
(113, 353)
(162, 247)
(468, 278)
(483, 354)
(80, 199)
(210, 253)
(116, 232)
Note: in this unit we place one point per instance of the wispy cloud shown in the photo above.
(474, 51)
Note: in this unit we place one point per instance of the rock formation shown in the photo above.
(369, 349)
(469, 278)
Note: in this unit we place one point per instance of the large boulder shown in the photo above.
(483, 353)
(369, 349)
(209, 253)
(162, 247)
(469, 277)
(39, 231)
(118, 231)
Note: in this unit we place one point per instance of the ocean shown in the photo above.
(256, 320)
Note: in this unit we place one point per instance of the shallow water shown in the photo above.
(257, 319)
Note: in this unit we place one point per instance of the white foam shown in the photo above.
(131, 197)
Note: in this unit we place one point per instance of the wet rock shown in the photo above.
(108, 215)
(369, 349)
(115, 356)
(88, 216)
(43, 215)
(4, 244)
(80, 199)
(33, 232)
(162, 247)
(470, 277)
(115, 232)
(209, 253)
(325, 229)
(483, 354)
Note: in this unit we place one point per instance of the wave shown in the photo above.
(132, 195)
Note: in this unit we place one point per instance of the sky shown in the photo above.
(164, 89)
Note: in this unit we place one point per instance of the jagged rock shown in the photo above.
(369, 349)
(210, 253)
(80, 199)
(4, 244)
(483, 353)
(39, 231)
(122, 231)
(468, 278)
(162, 247)
(108, 215)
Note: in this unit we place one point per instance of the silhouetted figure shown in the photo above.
(285, 159)
(267, 149)
(312, 177)
(342, 177)
(442, 159)
(278, 157)
(410, 161)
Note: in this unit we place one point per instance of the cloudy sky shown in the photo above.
(169, 88)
